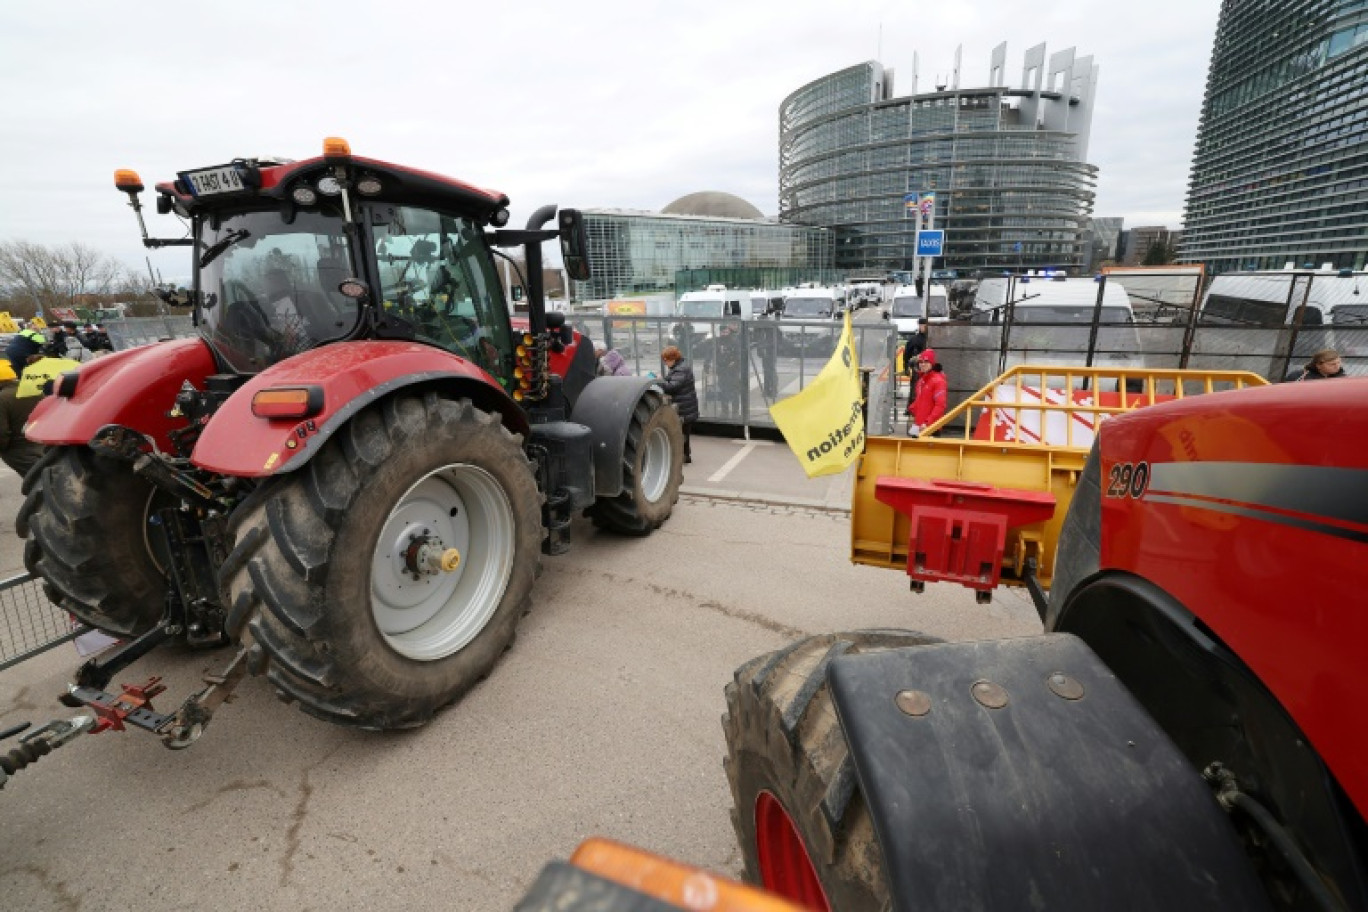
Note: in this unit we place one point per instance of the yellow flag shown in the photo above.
(40, 372)
(824, 424)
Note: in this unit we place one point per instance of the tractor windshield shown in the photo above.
(268, 289)
(436, 273)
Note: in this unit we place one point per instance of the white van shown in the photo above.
(806, 306)
(766, 304)
(906, 311)
(865, 291)
(1336, 309)
(1052, 321)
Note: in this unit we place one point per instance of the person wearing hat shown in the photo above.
(27, 343)
(1323, 365)
(929, 393)
(17, 451)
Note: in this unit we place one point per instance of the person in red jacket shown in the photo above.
(929, 394)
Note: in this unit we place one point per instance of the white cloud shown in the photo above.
(592, 104)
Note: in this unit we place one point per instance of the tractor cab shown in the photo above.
(289, 256)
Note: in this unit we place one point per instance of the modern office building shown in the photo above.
(1136, 242)
(1008, 166)
(1102, 243)
(1280, 171)
(634, 252)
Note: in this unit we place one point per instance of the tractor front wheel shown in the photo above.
(652, 471)
(384, 579)
(798, 812)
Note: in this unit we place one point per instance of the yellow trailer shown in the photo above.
(982, 502)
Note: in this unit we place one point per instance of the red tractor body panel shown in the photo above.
(1251, 509)
(135, 388)
(350, 374)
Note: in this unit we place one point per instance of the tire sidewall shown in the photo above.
(657, 511)
(359, 645)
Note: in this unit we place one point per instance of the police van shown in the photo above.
(808, 324)
(908, 309)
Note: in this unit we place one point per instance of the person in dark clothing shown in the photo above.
(915, 345)
(1323, 365)
(27, 343)
(18, 452)
(61, 333)
(101, 339)
(679, 386)
(730, 364)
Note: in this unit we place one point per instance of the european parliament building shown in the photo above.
(705, 236)
(1013, 188)
(1280, 172)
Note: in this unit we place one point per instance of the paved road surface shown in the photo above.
(603, 719)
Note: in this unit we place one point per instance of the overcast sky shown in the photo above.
(593, 103)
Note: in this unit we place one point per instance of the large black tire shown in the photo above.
(652, 471)
(320, 579)
(85, 517)
(784, 741)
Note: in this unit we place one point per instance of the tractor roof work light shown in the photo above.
(128, 181)
(336, 150)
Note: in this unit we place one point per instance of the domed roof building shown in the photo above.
(713, 204)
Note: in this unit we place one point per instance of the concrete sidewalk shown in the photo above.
(761, 470)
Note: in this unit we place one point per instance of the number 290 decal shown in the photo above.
(1128, 480)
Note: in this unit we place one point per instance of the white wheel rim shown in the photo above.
(428, 614)
(655, 465)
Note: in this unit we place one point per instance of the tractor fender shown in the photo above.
(351, 375)
(1036, 773)
(605, 406)
(136, 388)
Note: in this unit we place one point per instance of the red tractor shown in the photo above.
(352, 472)
(1187, 734)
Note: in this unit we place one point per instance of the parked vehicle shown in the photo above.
(700, 313)
(1335, 314)
(1185, 735)
(809, 319)
(910, 309)
(866, 291)
(350, 476)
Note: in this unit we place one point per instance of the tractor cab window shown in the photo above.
(436, 274)
(268, 289)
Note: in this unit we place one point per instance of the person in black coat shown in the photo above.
(679, 386)
(1323, 365)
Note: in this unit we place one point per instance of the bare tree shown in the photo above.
(38, 277)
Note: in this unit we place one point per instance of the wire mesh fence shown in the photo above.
(742, 367)
(29, 623)
(137, 331)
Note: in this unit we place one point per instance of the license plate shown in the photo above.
(209, 181)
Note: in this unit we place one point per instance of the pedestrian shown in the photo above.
(915, 345)
(679, 386)
(611, 363)
(28, 343)
(929, 394)
(101, 340)
(729, 363)
(1323, 365)
(62, 335)
(766, 333)
(17, 451)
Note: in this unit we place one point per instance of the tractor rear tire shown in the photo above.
(652, 471)
(798, 812)
(86, 520)
(338, 578)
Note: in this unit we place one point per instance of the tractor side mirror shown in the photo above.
(574, 245)
(517, 292)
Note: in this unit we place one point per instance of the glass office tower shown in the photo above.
(1008, 166)
(1280, 172)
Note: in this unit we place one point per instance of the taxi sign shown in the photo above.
(930, 243)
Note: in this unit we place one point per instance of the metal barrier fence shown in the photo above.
(1267, 323)
(29, 623)
(137, 331)
(742, 367)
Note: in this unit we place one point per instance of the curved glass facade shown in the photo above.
(640, 252)
(1280, 172)
(1012, 188)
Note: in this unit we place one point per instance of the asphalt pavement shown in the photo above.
(602, 720)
